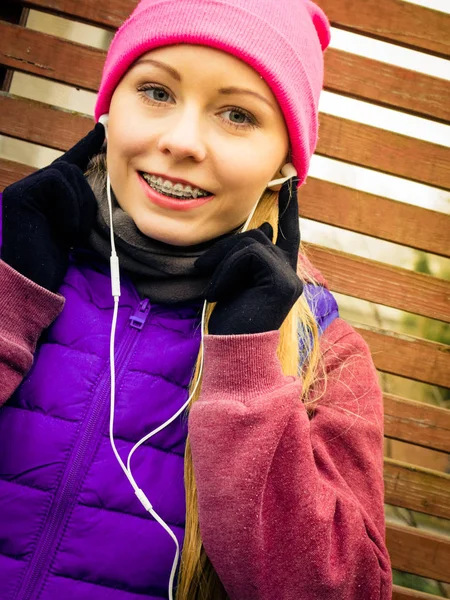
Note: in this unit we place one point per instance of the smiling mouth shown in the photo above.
(174, 190)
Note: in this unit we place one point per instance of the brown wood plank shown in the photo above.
(417, 488)
(393, 21)
(417, 423)
(408, 356)
(104, 13)
(417, 551)
(384, 151)
(11, 13)
(340, 138)
(387, 85)
(51, 57)
(402, 593)
(376, 216)
(41, 123)
(377, 282)
(79, 65)
(11, 171)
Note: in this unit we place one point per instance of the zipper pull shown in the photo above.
(140, 315)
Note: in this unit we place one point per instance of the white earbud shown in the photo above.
(104, 121)
(288, 171)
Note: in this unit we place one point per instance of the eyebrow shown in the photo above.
(226, 91)
(238, 90)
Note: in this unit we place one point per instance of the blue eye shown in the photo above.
(240, 116)
(244, 121)
(160, 95)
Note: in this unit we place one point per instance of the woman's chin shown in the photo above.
(180, 233)
(172, 237)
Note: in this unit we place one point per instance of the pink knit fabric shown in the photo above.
(283, 40)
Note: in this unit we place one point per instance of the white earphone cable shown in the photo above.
(115, 283)
(115, 286)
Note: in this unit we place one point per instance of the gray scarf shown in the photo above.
(161, 272)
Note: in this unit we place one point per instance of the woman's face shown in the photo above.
(195, 116)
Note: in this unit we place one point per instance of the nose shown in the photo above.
(182, 136)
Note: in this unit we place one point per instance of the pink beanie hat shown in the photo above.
(283, 40)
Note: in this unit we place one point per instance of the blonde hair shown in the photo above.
(299, 354)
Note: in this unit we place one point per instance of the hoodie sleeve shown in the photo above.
(290, 505)
(26, 309)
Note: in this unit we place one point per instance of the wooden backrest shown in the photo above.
(412, 358)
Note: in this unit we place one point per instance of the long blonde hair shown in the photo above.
(198, 579)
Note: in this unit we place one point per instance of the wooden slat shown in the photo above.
(417, 488)
(387, 85)
(417, 423)
(377, 282)
(104, 13)
(11, 171)
(79, 65)
(340, 138)
(373, 215)
(419, 552)
(394, 21)
(384, 151)
(408, 356)
(12, 13)
(41, 123)
(51, 57)
(402, 593)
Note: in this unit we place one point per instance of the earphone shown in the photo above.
(288, 171)
(104, 120)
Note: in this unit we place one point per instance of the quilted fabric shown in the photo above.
(71, 526)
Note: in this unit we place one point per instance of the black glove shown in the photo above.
(48, 212)
(254, 281)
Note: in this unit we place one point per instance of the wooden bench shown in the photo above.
(407, 485)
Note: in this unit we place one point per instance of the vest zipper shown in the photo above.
(85, 446)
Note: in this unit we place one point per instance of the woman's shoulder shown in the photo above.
(343, 333)
(347, 359)
(339, 338)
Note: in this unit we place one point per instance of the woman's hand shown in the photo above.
(254, 281)
(48, 212)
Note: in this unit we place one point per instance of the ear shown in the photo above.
(288, 156)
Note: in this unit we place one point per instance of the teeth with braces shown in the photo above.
(170, 189)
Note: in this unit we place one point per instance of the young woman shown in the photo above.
(273, 487)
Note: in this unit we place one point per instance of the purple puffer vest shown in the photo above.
(71, 526)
